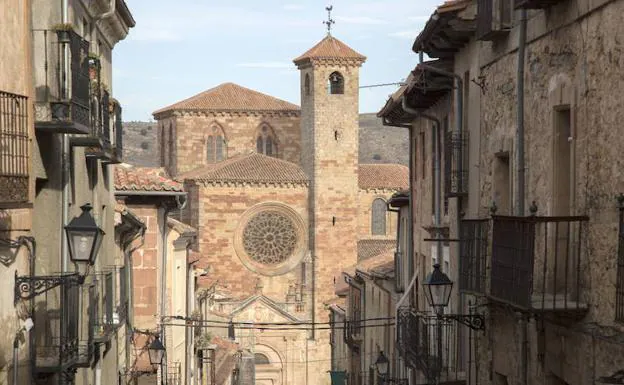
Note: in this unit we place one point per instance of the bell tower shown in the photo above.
(329, 156)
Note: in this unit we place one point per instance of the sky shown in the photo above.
(179, 49)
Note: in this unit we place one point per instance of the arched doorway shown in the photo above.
(269, 367)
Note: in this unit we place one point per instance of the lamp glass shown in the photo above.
(437, 288)
(382, 364)
(156, 352)
(84, 237)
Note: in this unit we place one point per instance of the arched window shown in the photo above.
(378, 217)
(216, 145)
(307, 85)
(171, 144)
(266, 143)
(261, 359)
(336, 83)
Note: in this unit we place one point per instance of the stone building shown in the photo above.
(57, 143)
(536, 215)
(281, 204)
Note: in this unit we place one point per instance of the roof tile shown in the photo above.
(253, 167)
(330, 48)
(130, 178)
(231, 97)
(368, 248)
(390, 176)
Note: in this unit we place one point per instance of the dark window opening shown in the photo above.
(261, 359)
(307, 85)
(266, 143)
(216, 146)
(336, 83)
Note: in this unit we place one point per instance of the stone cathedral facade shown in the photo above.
(281, 205)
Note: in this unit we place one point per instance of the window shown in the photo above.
(266, 143)
(216, 145)
(307, 85)
(162, 145)
(378, 217)
(336, 83)
(261, 359)
(619, 287)
(445, 127)
(421, 138)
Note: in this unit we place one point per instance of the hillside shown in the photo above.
(378, 143)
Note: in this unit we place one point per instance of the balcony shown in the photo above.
(535, 263)
(494, 20)
(534, 4)
(431, 345)
(54, 339)
(456, 164)
(353, 333)
(86, 348)
(79, 103)
(14, 150)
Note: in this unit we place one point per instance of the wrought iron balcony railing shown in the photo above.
(533, 263)
(54, 339)
(430, 344)
(14, 149)
(86, 346)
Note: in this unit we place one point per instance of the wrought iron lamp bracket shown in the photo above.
(27, 287)
(473, 321)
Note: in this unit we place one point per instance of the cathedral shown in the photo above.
(281, 205)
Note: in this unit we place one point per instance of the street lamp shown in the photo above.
(156, 351)
(84, 237)
(437, 288)
(382, 364)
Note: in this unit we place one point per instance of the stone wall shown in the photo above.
(365, 204)
(572, 62)
(240, 130)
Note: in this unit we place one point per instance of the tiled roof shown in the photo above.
(253, 167)
(390, 176)
(225, 357)
(231, 97)
(330, 48)
(368, 248)
(381, 264)
(147, 179)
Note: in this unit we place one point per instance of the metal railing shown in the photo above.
(14, 148)
(455, 164)
(474, 234)
(537, 262)
(56, 334)
(105, 321)
(429, 344)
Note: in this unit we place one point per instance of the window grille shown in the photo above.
(619, 303)
(378, 217)
(455, 164)
(14, 143)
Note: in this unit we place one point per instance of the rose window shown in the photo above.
(270, 237)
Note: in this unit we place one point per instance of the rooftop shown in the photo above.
(368, 248)
(252, 167)
(330, 48)
(230, 97)
(383, 176)
(145, 179)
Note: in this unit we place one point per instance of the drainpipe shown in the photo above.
(522, 35)
(65, 155)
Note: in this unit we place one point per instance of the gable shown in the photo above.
(260, 308)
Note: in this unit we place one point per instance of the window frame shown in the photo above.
(377, 215)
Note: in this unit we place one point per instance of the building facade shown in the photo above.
(529, 200)
(281, 205)
(57, 144)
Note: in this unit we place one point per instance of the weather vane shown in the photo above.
(329, 21)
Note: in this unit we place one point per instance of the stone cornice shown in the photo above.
(221, 183)
(380, 190)
(330, 62)
(226, 114)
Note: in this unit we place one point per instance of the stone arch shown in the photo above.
(271, 373)
(267, 142)
(215, 143)
(336, 83)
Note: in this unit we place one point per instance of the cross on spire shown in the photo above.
(329, 21)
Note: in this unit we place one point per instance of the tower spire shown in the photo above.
(329, 21)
